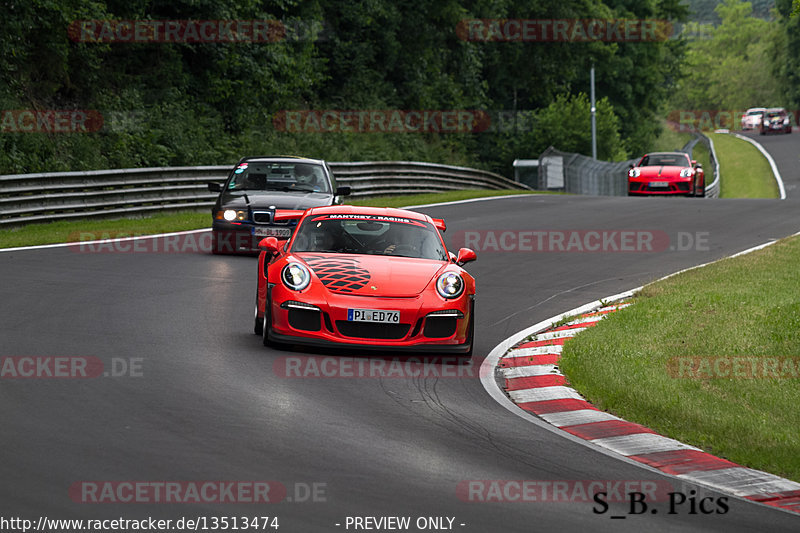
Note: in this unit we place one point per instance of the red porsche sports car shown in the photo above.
(365, 277)
(666, 173)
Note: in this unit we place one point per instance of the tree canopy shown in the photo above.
(186, 102)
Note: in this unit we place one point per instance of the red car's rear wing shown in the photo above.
(439, 224)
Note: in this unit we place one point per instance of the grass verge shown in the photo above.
(70, 230)
(745, 172)
(746, 306)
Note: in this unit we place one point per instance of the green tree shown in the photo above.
(732, 69)
(566, 125)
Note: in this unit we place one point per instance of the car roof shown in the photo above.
(757, 109)
(776, 110)
(365, 210)
(282, 159)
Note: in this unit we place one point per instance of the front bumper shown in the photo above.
(425, 324)
(681, 186)
(776, 128)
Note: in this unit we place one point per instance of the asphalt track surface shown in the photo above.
(208, 405)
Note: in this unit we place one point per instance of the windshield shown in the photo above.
(260, 176)
(368, 234)
(675, 160)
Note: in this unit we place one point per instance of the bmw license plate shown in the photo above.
(373, 315)
(659, 184)
(272, 232)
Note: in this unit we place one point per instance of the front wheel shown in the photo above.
(265, 325)
(259, 322)
(700, 191)
(470, 334)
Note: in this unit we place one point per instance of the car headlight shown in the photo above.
(686, 172)
(634, 172)
(449, 285)
(296, 276)
(232, 215)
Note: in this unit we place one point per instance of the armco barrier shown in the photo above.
(63, 195)
(579, 174)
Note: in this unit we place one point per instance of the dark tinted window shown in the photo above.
(370, 235)
(260, 176)
(676, 160)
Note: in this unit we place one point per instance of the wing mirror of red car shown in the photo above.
(269, 244)
(694, 162)
(465, 255)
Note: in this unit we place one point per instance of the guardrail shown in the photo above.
(712, 189)
(49, 196)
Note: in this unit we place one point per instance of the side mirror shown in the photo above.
(694, 162)
(269, 245)
(630, 166)
(343, 190)
(465, 255)
(214, 186)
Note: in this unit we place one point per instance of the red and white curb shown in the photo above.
(528, 366)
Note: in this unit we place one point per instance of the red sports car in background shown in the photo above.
(663, 173)
(365, 277)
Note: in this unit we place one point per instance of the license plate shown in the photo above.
(659, 184)
(272, 232)
(373, 315)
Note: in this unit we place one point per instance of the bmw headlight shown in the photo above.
(449, 285)
(686, 172)
(634, 172)
(232, 215)
(295, 276)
